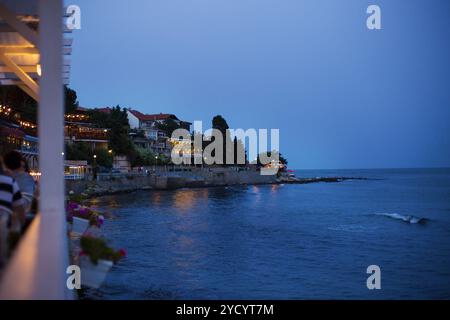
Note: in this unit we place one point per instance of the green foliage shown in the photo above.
(239, 148)
(219, 123)
(119, 140)
(82, 151)
(101, 119)
(78, 151)
(117, 121)
(97, 248)
(26, 106)
(76, 197)
(103, 159)
(19, 101)
(143, 157)
(168, 126)
(138, 133)
(71, 101)
(162, 160)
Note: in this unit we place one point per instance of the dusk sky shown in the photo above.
(342, 96)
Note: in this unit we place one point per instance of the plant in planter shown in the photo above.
(82, 218)
(76, 197)
(96, 259)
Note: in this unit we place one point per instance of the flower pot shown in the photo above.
(79, 225)
(93, 275)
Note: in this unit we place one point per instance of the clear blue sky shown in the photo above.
(342, 96)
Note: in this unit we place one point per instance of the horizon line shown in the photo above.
(373, 168)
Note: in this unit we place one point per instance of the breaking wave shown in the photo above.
(405, 218)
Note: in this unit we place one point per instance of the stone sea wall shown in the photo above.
(163, 178)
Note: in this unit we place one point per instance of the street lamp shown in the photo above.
(156, 163)
(94, 167)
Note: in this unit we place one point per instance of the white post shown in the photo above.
(37, 269)
(51, 146)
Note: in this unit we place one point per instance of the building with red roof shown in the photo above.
(156, 139)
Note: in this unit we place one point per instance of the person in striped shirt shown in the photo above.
(11, 201)
(15, 167)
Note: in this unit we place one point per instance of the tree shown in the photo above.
(101, 119)
(239, 149)
(71, 101)
(117, 121)
(168, 126)
(26, 107)
(82, 151)
(104, 158)
(20, 102)
(78, 151)
(219, 123)
(138, 133)
(162, 160)
(119, 136)
(143, 157)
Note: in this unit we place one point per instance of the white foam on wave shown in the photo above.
(405, 218)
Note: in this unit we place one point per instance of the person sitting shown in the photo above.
(12, 209)
(16, 167)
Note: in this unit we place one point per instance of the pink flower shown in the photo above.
(100, 220)
(73, 205)
(122, 253)
(83, 211)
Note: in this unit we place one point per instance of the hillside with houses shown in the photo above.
(97, 140)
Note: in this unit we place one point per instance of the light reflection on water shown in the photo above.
(291, 241)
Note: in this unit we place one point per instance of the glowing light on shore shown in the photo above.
(36, 175)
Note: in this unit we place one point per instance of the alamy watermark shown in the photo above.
(373, 22)
(228, 146)
(374, 280)
(74, 279)
(73, 17)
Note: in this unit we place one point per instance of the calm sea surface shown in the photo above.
(311, 241)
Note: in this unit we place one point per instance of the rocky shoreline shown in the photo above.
(94, 190)
(323, 179)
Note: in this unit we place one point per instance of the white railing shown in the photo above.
(74, 176)
(36, 269)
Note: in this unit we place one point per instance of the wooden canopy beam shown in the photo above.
(10, 18)
(21, 74)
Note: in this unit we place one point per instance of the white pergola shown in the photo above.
(19, 51)
(36, 62)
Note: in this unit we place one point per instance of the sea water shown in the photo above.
(292, 241)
